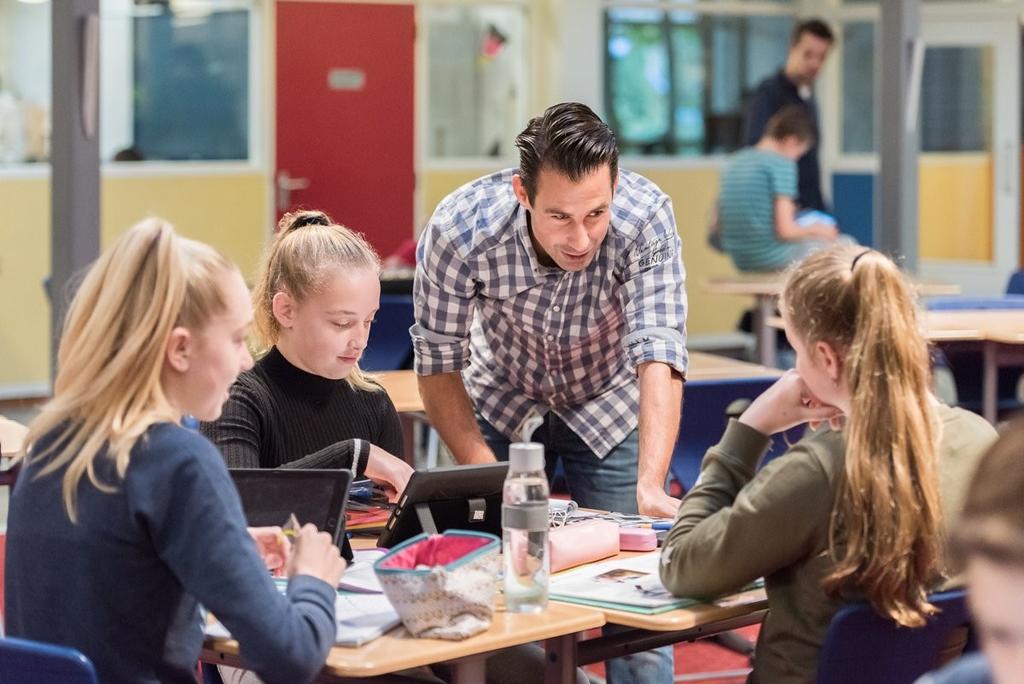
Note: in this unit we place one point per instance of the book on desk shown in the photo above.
(632, 585)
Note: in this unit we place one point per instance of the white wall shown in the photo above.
(115, 76)
(26, 35)
(580, 77)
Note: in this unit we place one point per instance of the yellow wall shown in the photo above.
(437, 184)
(692, 192)
(227, 211)
(955, 206)
(24, 262)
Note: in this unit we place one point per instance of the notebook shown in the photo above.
(630, 584)
(360, 617)
(359, 575)
(633, 585)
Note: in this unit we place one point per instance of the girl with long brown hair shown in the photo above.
(856, 509)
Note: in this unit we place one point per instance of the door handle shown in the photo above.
(1010, 160)
(285, 186)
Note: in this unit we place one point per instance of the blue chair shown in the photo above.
(211, 675)
(32, 662)
(1015, 285)
(390, 346)
(862, 646)
(704, 421)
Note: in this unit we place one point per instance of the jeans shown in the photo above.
(606, 484)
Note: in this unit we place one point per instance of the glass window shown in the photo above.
(858, 87)
(956, 99)
(677, 81)
(190, 81)
(174, 80)
(476, 64)
(24, 81)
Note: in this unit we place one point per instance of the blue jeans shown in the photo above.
(606, 484)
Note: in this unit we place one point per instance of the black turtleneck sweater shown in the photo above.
(279, 416)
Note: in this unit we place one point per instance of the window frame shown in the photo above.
(260, 114)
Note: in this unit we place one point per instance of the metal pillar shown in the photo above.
(74, 155)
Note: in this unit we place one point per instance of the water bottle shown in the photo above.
(524, 522)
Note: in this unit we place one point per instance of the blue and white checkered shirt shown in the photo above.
(530, 338)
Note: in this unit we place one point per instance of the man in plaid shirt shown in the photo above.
(555, 292)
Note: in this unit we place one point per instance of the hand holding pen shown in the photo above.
(292, 550)
(274, 546)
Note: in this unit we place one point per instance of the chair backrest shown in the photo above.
(32, 662)
(1016, 283)
(704, 420)
(390, 345)
(862, 646)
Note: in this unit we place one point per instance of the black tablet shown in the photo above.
(270, 495)
(456, 497)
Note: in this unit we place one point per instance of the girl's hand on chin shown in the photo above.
(786, 404)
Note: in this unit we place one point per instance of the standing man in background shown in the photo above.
(809, 46)
(554, 294)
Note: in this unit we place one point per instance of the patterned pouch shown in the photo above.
(442, 585)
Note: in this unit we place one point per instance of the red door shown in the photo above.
(345, 115)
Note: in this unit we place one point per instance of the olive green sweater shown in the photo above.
(734, 527)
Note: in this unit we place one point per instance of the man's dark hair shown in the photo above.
(816, 27)
(568, 138)
(791, 120)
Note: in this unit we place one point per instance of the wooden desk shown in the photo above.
(706, 367)
(403, 389)
(998, 333)
(766, 288)
(671, 627)
(11, 436)
(558, 627)
(401, 385)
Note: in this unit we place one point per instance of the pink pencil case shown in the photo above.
(583, 542)
(638, 539)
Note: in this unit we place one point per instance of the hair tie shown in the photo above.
(310, 218)
(853, 264)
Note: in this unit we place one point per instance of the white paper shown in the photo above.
(360, 576)
(360, 617)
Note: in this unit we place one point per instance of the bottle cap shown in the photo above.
(524, 457)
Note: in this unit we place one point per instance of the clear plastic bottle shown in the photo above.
(524, 522)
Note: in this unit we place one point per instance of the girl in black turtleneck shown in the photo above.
(306, 404)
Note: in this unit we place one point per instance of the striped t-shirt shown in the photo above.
(751, 181)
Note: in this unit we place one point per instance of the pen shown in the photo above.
(661, 525)
(291, 526)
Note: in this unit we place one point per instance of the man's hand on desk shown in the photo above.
(653, 501)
